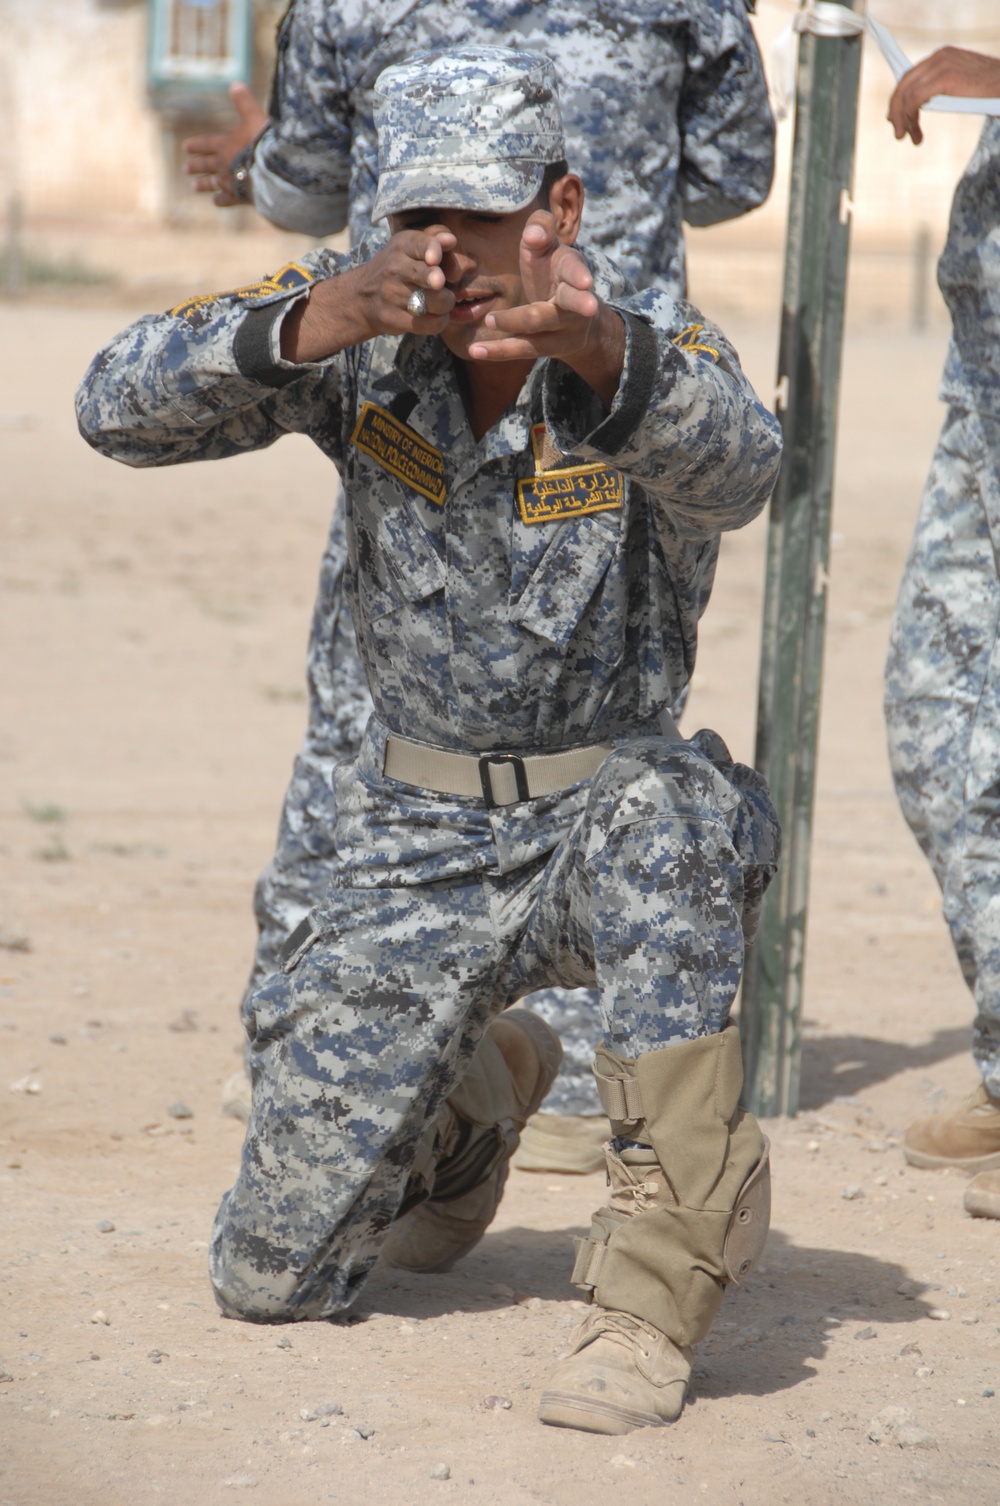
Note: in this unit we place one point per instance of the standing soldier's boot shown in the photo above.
(464, 1160)
(688, 1212)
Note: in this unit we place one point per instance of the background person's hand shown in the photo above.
(950, 70)
(207, 158)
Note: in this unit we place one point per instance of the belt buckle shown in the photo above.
(520, 778)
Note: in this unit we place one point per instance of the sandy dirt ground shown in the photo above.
(153, 631)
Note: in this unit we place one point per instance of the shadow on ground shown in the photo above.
(840, 1065)
(527, 1262)
(768, 1334)
(801, 1302)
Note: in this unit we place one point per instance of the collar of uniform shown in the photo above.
(426, 366)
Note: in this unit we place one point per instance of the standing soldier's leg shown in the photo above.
(944, 742)
(672, 856)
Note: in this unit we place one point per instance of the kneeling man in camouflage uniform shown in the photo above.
(537, 465)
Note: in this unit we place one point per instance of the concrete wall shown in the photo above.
(78, 137)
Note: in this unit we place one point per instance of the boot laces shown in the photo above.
(623, 1328)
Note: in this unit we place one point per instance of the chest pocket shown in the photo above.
(395, 559)
(565, 587)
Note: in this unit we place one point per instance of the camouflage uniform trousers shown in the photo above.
(942, 704)
(297, 877)
(357, 1044)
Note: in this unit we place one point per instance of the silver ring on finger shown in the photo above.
(416, 304)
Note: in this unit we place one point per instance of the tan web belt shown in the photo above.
(496, 778)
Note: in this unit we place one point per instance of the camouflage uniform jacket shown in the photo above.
(536, 590)
(969, 277)
(664, 104)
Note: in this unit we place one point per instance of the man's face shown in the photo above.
(484, 270)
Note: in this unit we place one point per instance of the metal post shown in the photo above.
(798, 550)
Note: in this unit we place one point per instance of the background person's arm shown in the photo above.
(949, 70)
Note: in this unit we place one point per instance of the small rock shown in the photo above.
(813, 1145)
(5, 1375)
(970, 1319)
(501, 1291)
(184, 1022)
(851, 1193)
(179, 1110)
(27, 1084)
(619, 1460)
(910, 1349)
(923, 1371)
(497, 1403)
(57, 1039)
(876, 1147)
(897, 1425)
(441, 1472)
(866, 1333)
(156, 1355)
(100, 1317)
(105, 1226)
(939, 1314)
(362, 1431)
(908, 1289)
(988, 1392)
(329, 1409)
(240, 1482)
(284, 1342)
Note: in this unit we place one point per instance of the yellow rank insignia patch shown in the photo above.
(400, 451)
(555, 492)
(289, 277)
(688, 340)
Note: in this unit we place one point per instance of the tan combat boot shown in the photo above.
(687, 1213)
(466, 1156)
(565, 1144)
(968, 1137)
(982, 1196)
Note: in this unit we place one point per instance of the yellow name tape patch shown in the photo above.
(688, 340)
(400, 451)
(561, 492)
(283, 281)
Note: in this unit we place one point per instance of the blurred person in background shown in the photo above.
(942, 693)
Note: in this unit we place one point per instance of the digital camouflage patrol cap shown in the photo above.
(469, 129)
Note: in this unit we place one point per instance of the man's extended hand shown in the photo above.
(562, 317)
(950, 70)
(207, 158)
(371, 299)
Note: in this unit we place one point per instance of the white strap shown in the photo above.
(823, 18)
